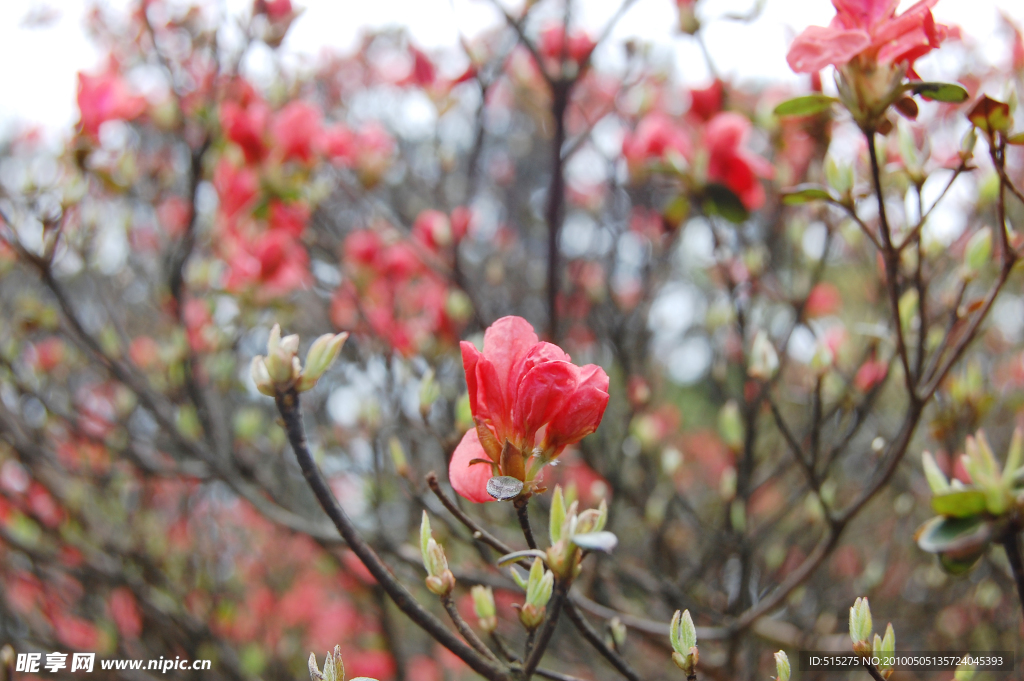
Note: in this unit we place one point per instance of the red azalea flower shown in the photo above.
(245, 125)
(730, 164)
(656, 137)
(869, 28)
(104, 98)
(296, 131)
(529, 401)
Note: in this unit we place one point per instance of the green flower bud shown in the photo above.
(979, 250)
(618, 632)
(860, 625)
(764, 360)
(683, 634)
(321, 355)
(557, 517)
(936, 478)
(261, 377)
(540, 585)
(483, 606)
(1014, 457)
(782, 667)
(730, 425)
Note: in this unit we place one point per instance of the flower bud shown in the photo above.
(334, 668)
(683, 636)
(764, 360)
(782, 667)
(429, 392)
(398, 457)
(978, 252)
(540, 585)
(557, 516)
(860, 625)
(730, 425)
(618, 632)
(483, 606)
(280, 366)
(936, 478)
(321, 355)
(531, 616)
(261, 377)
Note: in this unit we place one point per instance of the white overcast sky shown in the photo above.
(37, 79)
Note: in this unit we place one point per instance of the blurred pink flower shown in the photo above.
(731, 164)
(869, 28)
(104, 98)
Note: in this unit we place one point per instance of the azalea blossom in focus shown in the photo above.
(529, 402)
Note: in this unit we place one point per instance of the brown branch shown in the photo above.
(466, 630)
(1011, 542)
(288, 406)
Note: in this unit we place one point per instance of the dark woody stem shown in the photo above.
(521, 504)
(547, 629)
(464, 628)
(873, 670)
(288, 406)
(575, 616)
(1011, 543)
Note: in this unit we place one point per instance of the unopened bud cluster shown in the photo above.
(483, 606)
(571, 531)
(683, 636)
(280, 370)
(440, 579)
(539, 587)
(861, 631)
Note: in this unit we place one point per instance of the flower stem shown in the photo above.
(521, 504)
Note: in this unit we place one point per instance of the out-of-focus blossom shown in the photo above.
(871, 30)
(731, 164)
(296, 130)
(657, 138)
(105, 98)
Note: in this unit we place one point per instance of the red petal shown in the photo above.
(506, 342)
(582, 413)
(470, 481)
(542, 394)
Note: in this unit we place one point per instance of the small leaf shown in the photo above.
(954, 535)
(959, 503)
(517, 556)
(940, 92)
(720, 200)
(805, 106)
(504, 487)
(1017, 139)
(805, 193)
(990, 116)
(596, 541)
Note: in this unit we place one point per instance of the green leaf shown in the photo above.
(940, 92)
(720, 200)
(805, 193)
(1017, 139)
(955, 536)
(961, 503)
(805, 106)
(596, 541)
(517, 556)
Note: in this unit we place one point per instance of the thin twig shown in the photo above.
(1011, 542)
(466, 630)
